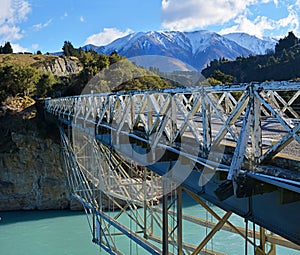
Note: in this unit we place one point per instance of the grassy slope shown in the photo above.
(25, 59)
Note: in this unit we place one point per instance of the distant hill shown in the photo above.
(281, 64)
(191, 50)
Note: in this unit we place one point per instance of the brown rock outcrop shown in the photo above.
(61, 66)
(31, 171)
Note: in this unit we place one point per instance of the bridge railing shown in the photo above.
(258, 120)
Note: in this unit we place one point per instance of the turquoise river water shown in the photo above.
(67, 233)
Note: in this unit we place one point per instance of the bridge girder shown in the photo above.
(206, 140)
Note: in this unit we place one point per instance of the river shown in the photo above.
(67, 233)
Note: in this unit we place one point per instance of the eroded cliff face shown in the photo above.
(61, 66)
(32, 175)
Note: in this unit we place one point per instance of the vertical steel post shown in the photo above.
(151, 205)
(256, 133)
(132, 112)
(92, 166)
(179, 220)
(206, 123)
(165, 232)
(262, 239)
(145, 201)
(226, 100)
(173, 119)
(150, 113)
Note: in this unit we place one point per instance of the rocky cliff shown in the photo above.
(61, 66)
(31, 171)
(57, 65)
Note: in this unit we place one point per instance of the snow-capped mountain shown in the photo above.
(195, 49)
(252, 43)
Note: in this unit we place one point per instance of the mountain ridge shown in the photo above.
(259, 46)
(196, 48)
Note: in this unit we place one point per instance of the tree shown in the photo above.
(224, 78)
(39, 52)
(284, 56)
(45, 84)
(6, 49)
(69, 50)
(286, 43)
(17, 80)
(115, 57)
(102, 62)
(27, 80)
(213, 81)
(271, 61)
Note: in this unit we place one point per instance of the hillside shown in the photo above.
(60, 66)
(281, 64)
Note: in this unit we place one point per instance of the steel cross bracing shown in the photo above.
(214, 141)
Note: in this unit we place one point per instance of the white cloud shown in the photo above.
(191, 14)
(291, 21)
(256, 27)
(42, 25)
(107, 36)
(12, 12)
(260, 24)
(18, 48)
(10, 33)
(81, 19)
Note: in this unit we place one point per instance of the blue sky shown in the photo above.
(32, 25)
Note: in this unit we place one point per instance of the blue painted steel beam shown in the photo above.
(263, 209)
(152, 249)
(257, 208)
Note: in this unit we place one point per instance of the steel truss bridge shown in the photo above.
(137, 155)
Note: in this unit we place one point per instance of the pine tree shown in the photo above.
(69, 50)
(7, 49)
(286, 43)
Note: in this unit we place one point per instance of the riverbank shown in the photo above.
(32, 175)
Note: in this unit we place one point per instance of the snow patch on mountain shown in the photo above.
(196, 48)
(256, 45)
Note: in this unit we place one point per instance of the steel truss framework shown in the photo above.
(119, 151)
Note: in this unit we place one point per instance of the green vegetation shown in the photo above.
(103, 73)
(181, 78)
(17, 80)
(69, 50)
(24, 75)
(6, 49)
(283, 64)
(123, 75)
